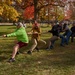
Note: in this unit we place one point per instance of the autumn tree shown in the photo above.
(72, 8)
(45, 9)
(40, 5)
(7, 12)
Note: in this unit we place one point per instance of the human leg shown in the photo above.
(62, 40)
(68, 36)
(43, 41)
(33, 46)
(52, 41)
(16, 49)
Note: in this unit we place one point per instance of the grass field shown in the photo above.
(59, 61)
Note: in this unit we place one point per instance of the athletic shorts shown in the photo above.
(22, 44)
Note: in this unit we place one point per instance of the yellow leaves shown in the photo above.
(13, 14)
(19, 1)
(8, 2)
(8, 12)
(1, 10)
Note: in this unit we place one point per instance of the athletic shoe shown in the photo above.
(18, 53)
(37, 49)
(51, 47)
(62, 45)
(11, 60)
(29, 52)
(66, 43)
(48, 49)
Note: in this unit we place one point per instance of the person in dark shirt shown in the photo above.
(73, 32)
(60, 29)
(55, 36)
(67, 33)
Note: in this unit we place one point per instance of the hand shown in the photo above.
(4, 35)
(58, 37)
(29, 33)
(35, 32)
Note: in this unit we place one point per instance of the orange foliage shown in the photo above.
(29, 12)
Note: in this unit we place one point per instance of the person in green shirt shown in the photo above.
(22, 39)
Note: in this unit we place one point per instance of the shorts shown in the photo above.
(22, 44)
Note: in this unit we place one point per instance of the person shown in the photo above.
(36, 32)
(22, 39)
(60, 29)
(24, 24)
(55, 36)
(73, 32)
(66, 34)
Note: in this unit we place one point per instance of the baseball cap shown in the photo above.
(19, 23)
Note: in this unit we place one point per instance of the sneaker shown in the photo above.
(11, 60)
(48, 49)
(37, 49)
(66, 43)
(51, 47)
(29, 52)
(18, 53)
(62, 45)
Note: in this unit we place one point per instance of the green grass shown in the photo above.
(59, 61)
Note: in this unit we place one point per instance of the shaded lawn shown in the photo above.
(59, 61)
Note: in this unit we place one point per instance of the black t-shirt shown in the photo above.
(54, 31)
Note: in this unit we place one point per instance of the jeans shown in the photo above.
(67, 35)
(62, 39)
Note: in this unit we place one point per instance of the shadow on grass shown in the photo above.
(12, 27)
(59, 56)
(60, 59)
(1, 33)
(2, 58)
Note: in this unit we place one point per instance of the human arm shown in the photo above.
(16, 33)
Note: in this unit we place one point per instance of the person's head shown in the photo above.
(35, 21)
(57, 23)
(35, 24)
(53, 24)
(19, 24)
(60, 24)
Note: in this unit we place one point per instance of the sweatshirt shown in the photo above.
(20, 34)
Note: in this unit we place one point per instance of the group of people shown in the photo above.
(23, 40)
(56, 31)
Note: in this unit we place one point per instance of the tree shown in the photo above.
(7, 12)
(38, 5)
(29, 12)
(38, 8)
(72, 8)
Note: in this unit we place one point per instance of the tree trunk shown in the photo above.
(35, 9)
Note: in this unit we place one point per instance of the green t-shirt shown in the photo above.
(20, 34)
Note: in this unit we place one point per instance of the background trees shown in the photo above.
(37, 9)
(7, 12)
